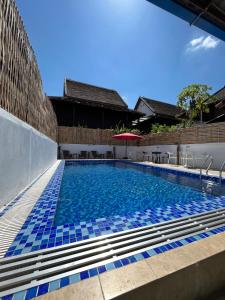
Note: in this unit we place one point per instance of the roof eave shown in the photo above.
(94, 104)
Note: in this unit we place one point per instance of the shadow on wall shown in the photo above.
(25, 154)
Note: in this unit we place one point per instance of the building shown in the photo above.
(92, 107)
(155, 112)
(216, 108)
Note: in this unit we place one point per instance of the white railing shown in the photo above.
(221, 170)
(210, 159)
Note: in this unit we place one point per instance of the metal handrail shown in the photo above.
(207, 170)
(221, 170)
(209, 165)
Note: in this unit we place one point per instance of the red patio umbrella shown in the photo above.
(127, 137)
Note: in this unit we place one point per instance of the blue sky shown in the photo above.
(131, 46)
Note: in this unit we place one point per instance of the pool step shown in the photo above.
(31, 269)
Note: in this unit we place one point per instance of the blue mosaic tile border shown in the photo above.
(65, 281)
(38, 231)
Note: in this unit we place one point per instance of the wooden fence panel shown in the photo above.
(21, 91)
(211, 133)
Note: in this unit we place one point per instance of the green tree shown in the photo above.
(193, 98)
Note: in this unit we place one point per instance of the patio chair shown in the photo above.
(109, 154)
(171, 157)
(96, 155)
(146, 156)
(83, 154)
(187, 158)
(66, 154)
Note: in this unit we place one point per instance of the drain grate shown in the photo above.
(31, 269)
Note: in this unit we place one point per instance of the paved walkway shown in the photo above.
(193, 271)
(182, 168)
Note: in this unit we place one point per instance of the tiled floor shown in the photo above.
(39, 232)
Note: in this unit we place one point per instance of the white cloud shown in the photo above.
(202, 42)
(197, 41)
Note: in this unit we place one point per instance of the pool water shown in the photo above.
(91, 191)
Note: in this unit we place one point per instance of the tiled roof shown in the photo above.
(217, 96)
(161, 108)
(87, 92)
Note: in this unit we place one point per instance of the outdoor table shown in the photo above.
(156, 156)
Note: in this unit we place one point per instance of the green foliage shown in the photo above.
(185, 123)
(159, 128)
(122, 129)
(193, 98)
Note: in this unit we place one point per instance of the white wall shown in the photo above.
(25, 153)
(134, 152)
(217, 150)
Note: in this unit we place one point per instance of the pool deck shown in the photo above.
(184, 169)
(193, 271)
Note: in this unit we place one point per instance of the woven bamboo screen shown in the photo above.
(20, 83)
(79, 135)
(212, 133)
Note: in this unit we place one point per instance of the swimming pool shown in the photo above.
(162, 226)
(93, 190)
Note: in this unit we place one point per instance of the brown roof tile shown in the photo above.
(217, 96)
(87, 92)
(161, 108)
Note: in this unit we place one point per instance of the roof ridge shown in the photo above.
(145, 98)
(96, 86)
(74, 85)
(223, 88)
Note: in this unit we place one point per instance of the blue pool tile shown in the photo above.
(31, 293)
(19, 295)
(125, 261)
(101, 269)
(74, 278)
(110, 266)
(84, 275)
(138, 257)
(151, 252)
(64, 281)
(145, 254)
(118, 264)
(158, 250)
(132, 259)
(93, 272)
(8, 297)
(42, 289)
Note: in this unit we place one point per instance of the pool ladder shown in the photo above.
(220, 171)
(209, 159)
